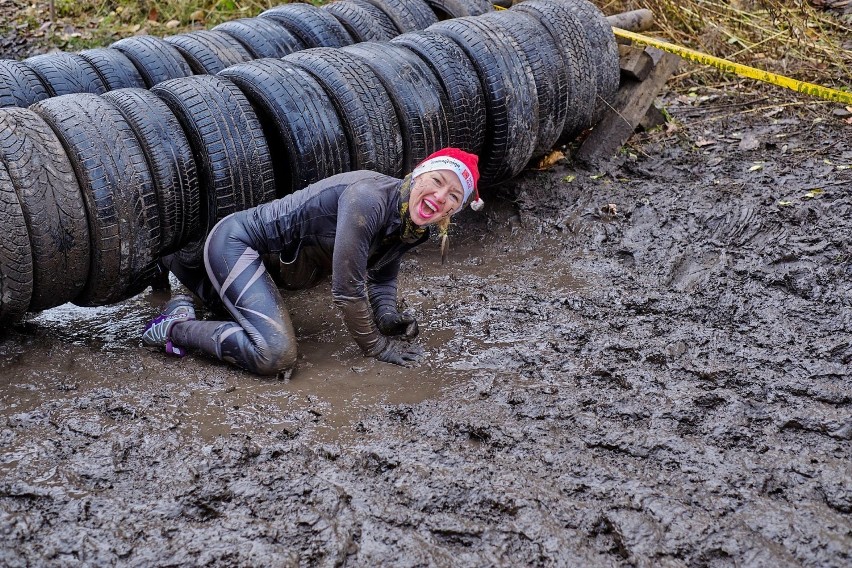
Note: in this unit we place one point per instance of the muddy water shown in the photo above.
(664, 381)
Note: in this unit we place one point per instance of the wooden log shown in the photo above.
(634, 20)
(631, 105)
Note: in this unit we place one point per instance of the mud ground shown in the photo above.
(645, 364)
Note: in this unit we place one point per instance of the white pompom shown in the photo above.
(477, 204)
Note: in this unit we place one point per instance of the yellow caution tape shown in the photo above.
(742, 70)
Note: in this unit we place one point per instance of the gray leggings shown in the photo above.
(261, 338)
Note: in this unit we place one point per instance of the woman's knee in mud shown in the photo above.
(279, 360)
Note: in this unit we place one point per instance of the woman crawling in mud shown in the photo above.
(357, 225)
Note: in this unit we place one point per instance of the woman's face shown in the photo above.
(434, 196)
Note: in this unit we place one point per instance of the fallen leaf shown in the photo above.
(749, 142)
(843, 167)
(550, 160)
(172, 24)
(596, 176)
(701, 142)
(813, 193)
(785, 203)
(197, 15)
(569, 178)
(756, 167)
(827, 161)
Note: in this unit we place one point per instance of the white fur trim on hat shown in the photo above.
(446, 163)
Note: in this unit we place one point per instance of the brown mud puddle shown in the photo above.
(340, 386)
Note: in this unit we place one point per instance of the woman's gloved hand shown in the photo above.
(399, 323)
(400, 353)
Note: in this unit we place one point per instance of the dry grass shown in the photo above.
(82, 24)
(789, 37)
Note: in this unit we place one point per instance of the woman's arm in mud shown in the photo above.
(360, 216)
(382, 289)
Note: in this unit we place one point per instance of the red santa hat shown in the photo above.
(461, 163)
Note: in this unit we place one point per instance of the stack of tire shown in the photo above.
(144, 61)
(96, 189)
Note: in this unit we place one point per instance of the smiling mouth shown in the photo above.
(427, 209)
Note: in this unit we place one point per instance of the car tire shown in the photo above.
(457, 75)
(509, 92)
(416, 94)
(20, 86)
(170, 161)
(301, 124)
(155, 59)
(66, 74)
(363, 104)
(114, 68)
(229, 148)
(313, 26)
(262, 37)
(566, 28)
(16, 259)
(52, 205)
(358, 22)
(208, 51)
(545, 58)
(124, 222)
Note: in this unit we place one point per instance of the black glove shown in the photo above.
(399, 323)
(400, 353)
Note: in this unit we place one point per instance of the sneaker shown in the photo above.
(156, 334)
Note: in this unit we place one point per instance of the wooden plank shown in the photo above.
(631, 104)
(635, 62)
(652, 119)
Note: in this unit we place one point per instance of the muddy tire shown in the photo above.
(357, 21)
(20, 86)
(170, 161)
(380, 16)
(262, 37)
(449, 9)
(52, 206)
(124, 222)
(407, 15)
(300, 122)
(566, 28)
(509, 91)
(155, 59)
(604, 51)
(231, 154)
(454, 70)
(208, 52)
(363, 104)
(66, 74)
(114, 68)
(313, 26)
(545, 58)
(16, 259)
(417, 97)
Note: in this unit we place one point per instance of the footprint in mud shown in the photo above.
(691, 272)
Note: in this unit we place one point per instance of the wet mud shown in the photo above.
(642, 365)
